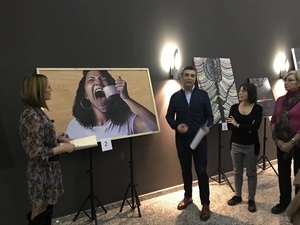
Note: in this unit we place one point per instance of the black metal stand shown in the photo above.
(91, 196)
(220, 172)
(264, 158)
(135, 201)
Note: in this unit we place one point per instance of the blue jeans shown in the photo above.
(185, 155)
(243, 156)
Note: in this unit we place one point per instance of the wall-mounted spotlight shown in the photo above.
(281, 65)
(171, 60)
(296, 57)
(174, 68)
(285, 68)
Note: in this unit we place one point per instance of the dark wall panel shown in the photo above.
(127, 34)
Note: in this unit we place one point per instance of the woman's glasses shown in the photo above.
(289, 80)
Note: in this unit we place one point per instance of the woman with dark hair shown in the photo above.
(44, 177)
(244, 121)
(102, 107)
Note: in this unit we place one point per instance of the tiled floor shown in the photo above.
(161, 210)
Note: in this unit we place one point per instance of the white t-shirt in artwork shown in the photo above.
(107, 130)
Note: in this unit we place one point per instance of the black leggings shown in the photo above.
(284, 175)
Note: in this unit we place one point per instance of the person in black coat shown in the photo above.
(190, 109)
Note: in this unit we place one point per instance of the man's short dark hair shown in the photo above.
(188, 68)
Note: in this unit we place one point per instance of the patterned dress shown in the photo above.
(44, 176)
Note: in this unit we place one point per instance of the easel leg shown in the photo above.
(81, 208)
(221, 175)
(125, 197)
(264, 157)
(135, 201)
(91, 196)
(100, 204)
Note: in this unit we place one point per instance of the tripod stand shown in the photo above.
(264, 157)
(91, 196)
(220, 172)
(132, 187)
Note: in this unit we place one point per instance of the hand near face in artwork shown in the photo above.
(182, 128)
(121, 86)
(147, 120)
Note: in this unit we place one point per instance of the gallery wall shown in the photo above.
(129, 34)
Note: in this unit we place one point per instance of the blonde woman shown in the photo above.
(40, 143)
(285, 126)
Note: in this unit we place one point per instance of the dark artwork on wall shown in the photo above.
(296, 57)
(108, 103)
(264, 94)
(215, 76)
